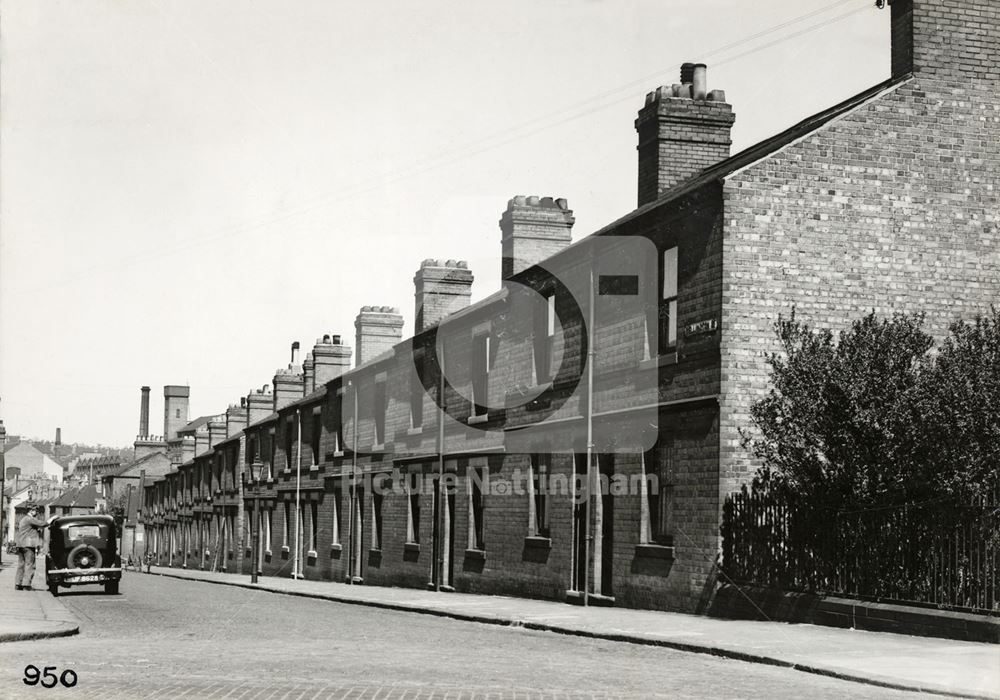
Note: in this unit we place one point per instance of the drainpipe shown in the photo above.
(591, 354)
(296, 562)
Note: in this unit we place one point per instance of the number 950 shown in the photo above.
(46, 678)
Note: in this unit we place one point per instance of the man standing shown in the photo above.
(28, 539)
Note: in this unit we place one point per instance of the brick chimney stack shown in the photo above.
(441, 287)
(216, 430)
(236, 418)
(533, 229)
(309, 373)
(331, 358)
(377, 328)
(683, 129)
(175, 409)
(260, 404)
(144, 412)
(289, 384)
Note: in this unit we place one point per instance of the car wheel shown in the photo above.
(111, 587)
(84, 556)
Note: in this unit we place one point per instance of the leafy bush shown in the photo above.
(877, 417)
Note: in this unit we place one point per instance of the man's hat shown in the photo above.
(31, 505)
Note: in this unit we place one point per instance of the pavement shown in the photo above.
(30, 615)
(924, 664)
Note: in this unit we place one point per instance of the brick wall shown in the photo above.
(893, 207)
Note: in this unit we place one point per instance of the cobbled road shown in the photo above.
(165, 638)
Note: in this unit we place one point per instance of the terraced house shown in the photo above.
(576, 432)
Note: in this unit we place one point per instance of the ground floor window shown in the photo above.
(476, 526)
(658, 480)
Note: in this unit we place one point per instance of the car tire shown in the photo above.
(111, 587)
(83, 550)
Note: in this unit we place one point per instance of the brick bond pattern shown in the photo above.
(891, 206)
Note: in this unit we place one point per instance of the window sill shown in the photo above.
(313, 468)
(473, 420)
(412, 547)
(654, 551)
(338, 453)
(669, 358)
(285, 549)
(475, 554)
(538, 542)
(377, 447)
(267, 552)
(311, 554)
(411, 432)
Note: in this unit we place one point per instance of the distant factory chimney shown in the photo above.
(144, 412)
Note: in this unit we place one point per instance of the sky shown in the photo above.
(188, 187)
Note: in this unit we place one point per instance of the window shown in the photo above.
(268, 525)
(377, 499)
(313, 525)
(288, 526)
(538, 484)
(658, 477)
(272, 445)
(335, 508)
(314, 435)
(178, 413)
(413, 511)
(476, 476)
(662, 318)
(417, 390)
(545, 331)
(288, 443)
(378, 408)
(252, 450)
(481, 365)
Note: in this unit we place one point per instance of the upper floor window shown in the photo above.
(272, 445)
(417, 390)
(482, 352)
(289, 439)
(379, 406)
(545, 331)
(661, 323)
(315, 432)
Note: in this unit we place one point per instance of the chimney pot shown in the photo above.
(687, 73)
(699, 82)
(335, 339)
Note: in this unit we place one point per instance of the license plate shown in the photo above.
(90, 578)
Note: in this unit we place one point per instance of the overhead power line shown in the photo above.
(488, 142)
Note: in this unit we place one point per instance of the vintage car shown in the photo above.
(83, 550)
